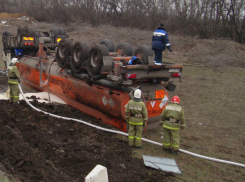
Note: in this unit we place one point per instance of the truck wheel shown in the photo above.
(29, 32)
(109, 44)
(62, 31)
(63, 52)
(24, 32)
(19, 36)
(10, 43)
(143, 52)
(124, 49)
(95, 59)
(5, 38)
(55, 31)
(80, 52)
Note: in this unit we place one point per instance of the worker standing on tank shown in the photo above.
(13, 81)
(136, 115)
(159, 43)
(172, 119)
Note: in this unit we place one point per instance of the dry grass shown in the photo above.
(213, 104)
(212, 95)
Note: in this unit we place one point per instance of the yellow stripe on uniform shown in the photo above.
(170, 128)
(176, 146)
(173, 108)
(13, 82)
(136, 107)
(135, 123)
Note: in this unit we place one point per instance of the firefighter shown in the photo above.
(13, 80)
(159, 43)
(172, 119)
(136, 115)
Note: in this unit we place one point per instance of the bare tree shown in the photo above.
(203, 18)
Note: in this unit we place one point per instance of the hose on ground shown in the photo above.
(125, 134)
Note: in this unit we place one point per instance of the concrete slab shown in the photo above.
(98, 174)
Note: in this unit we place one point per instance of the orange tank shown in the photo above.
(93, 79)
(102, 99)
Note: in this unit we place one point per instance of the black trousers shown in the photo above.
(158, 55)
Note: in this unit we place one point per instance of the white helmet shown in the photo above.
(137, 93)
(14, 60)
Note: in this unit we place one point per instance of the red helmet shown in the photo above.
(175, 99)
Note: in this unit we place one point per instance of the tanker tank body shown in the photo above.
(102, 102)
(102, 99)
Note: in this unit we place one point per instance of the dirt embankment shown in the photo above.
(7, 19)
(36, 147)
(15, 15)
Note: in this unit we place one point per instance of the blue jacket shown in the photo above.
(160, 39)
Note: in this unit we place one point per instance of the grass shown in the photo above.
(211, 93)
(4, 179)
(213, 105)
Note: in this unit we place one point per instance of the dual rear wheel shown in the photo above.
(84, 58)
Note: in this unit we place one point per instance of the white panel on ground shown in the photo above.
(98, 174)
(160, 163)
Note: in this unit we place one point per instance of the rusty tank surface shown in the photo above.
(93, 79)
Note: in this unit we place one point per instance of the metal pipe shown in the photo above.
(121, 58)
(114, 53)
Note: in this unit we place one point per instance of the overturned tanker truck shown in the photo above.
(95, 78)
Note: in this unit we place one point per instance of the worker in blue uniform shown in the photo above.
(159, 43)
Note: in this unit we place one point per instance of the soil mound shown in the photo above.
(36, 147)
(15, 15)
(15, 19)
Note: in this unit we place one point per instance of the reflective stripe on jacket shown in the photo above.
(134, 108)
(13, 74)
(160, 39)
(173, 111)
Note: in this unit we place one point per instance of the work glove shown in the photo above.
(182, 127)
(169, 48)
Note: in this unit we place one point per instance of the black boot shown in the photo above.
(175, 152)
(138, 147)
(167, 150)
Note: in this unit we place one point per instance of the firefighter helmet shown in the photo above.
(14, 60)
(137, 93)
(175, 99)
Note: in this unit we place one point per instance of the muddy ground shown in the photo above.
(36, 147)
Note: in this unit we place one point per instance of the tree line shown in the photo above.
(202, 18)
